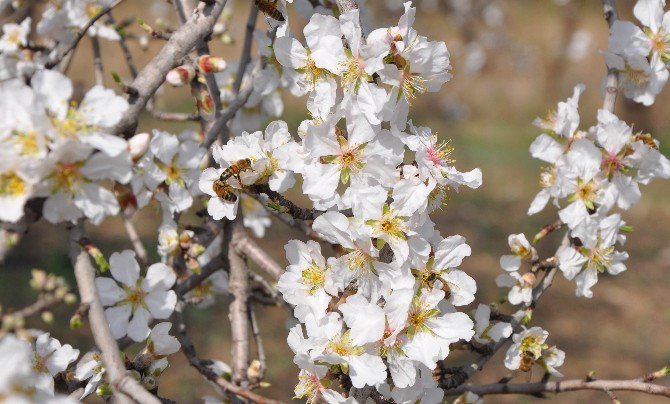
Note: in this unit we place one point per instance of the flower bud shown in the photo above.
(196, 250)
(209, 64)
(529, 278)
(149, 382)
(103, 390)
(139, 144)
(219, 28)
(38, 279)
(70, 298)
(254, 370)
(204, 101)
(47, 317)
(185, 238)
(76, 321)
(180, 75)
(143, 41)
(193, 265)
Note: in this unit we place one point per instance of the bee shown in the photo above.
(527, 360)
(269, 8)
(235, 169)
(224, 191)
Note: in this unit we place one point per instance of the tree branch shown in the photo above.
(564, 386)
(244, 244)
(238, 314)
(58, 57)
(135, 240)
(200, 365)
(181, 42)
(612, 81)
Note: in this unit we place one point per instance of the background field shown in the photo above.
(623, 332)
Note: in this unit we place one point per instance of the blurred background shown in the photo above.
(513, 60)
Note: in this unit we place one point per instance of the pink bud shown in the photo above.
(209, 64)
(139, 144)
(204, 101)
(180, 75)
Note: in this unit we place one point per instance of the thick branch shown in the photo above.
(346, 5)
(177, 47)
(564, 386)
(239, 316)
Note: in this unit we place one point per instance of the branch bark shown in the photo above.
(247, 246)
(238, 315)
(612, 82)
(564, 386)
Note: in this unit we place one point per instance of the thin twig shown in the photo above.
(246, 48)
(124, 48)
(134, 237)
(58, 57)
(97, 62)
(247, 246)
(255, 329)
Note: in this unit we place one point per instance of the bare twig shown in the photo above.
(141, 252)
(259, 342)
(122, 385)
(97, 62)
(200, 365)
(58, 56)
(247, 246)
(246, 49)
(226, 116)
(124, 48)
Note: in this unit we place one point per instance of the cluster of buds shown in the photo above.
(52, 290)
(186, 73)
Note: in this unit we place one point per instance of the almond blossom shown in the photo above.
(134, 300)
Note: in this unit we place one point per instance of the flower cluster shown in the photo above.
(590, 173)
(55, 149)
(641, 54)
(27, 375)
(384, 310)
